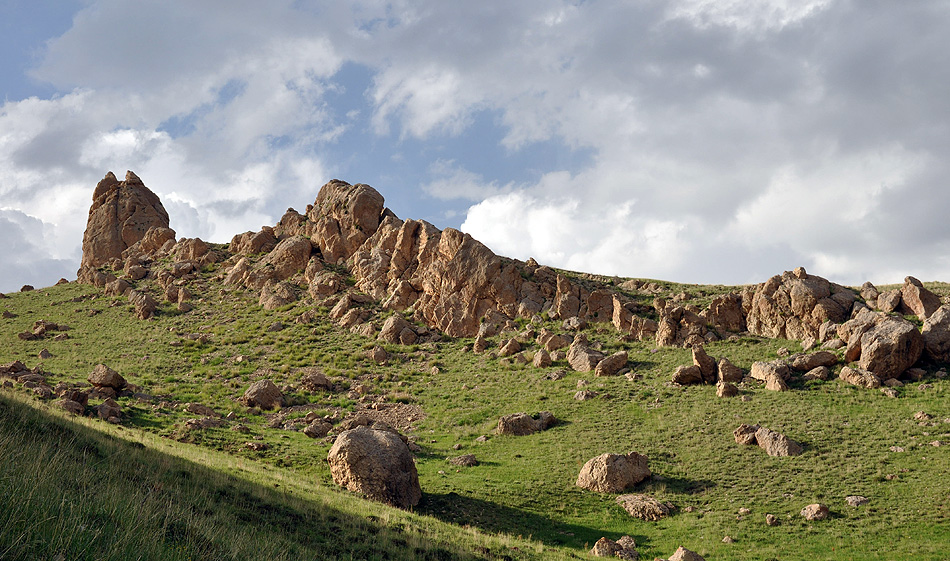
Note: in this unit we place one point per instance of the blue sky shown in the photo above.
(691, 140)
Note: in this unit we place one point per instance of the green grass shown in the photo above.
(523, 486)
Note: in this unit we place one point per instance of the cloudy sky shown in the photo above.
(708, 141)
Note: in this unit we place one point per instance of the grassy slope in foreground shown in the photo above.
(69, 491)
(524, 485)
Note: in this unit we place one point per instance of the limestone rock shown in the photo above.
(103, 376)
(936, 334)
(686, 375)
(917, 300)
(143, 303)
(815, 511)
(377, 464)
(289, 257)
(683, 554)
(859, 377)
(795, 304)
(521, 424)
(763, 371)
(251, 243)
(542, 359)
(644, 507)
(707, 365)
(581, 357)
(725, 313)
(776, 444)
(120, 215)
(613, 473)
(611, 365)
(728, 372)
(264, 394)
(890, 347)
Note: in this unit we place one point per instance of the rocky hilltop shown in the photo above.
(348, 243)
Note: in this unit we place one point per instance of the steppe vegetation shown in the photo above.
(153, 488)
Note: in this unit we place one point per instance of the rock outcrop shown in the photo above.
(121, 215)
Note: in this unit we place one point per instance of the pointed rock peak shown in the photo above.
(131, 178)
(108, 182)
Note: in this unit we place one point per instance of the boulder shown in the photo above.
(776, 444)
(611, 365)
(613, 473)
(644, 507)
(252, 243)
(707, 365)
(143, 303)
(71, 406)
(393, 329)
(318, 428)
(103, 376)
(289, 257)
(889, 301)
(542, 359)
(859, 377)
(276, 294)
(815, 511)
(725, 313)
(805, 362)
(890, 346)
(377, 464)
(686, 375)
(728, 372)
(581, 357)
(521, 424)
(936, 334)
(820, 373)
(794, 305)
(465, 460)
(605, 547)
(917, 300)
(745, 434)
(120, 215)
(775, 383)
(763, 371)
(190, 249)
(726, 389)
(264, 394)
(683, 554)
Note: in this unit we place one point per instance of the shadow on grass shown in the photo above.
(491, 517)
(164, 507)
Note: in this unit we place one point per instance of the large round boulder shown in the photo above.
(613, 473)
(264, 394)
(376, 463)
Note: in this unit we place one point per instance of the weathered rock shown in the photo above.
(707, 364)
(728, 372)
(815, 511)
(190, 249)
(605, 547)
(794, 305)
(856, 500)
(686, 375)
(288, 258)
(775, 383)
(276, 294)
(318, 428)
(726, 389)
(109, 410)
(103, 376)
(509, 348)
(251, 243)
(644, 507)
(805, 362)
(611, 365)
(725, 313)
(776, 444)
(393, 329)
(889, 301)
(71, 406)
(584, 395)
(465, 460)
(120, 215)
(890, 347)
(917, 300)
(199, 409)
(143, 303)
(765, 370)
(859, 377)
(683, 554)
(521, 424)
(819, 373)
(613, 473)
(936, 334)
(679, 326)
(581, 357)
(745, 434)
(377, 464)
(264, 394)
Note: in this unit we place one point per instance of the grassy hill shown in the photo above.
(172, 492)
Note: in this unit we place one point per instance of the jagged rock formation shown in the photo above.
(121, 214)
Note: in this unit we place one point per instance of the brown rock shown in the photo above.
(917, 300)
(509, 348)
(108, 410)
(707, 365)
(859, 377)
(726, 389)
(815, 511)
(728, 372)
(521, 424)
(581, 357)
(317, 428)
(936, 335)
(611, 365)
(276, 294)
(745, 434)
(264, 394)
(795, 304)
(377, 464)
(725, 313)
(251, 243)
(393, 328)
(103, 376)
(613, 473)
(890, 347)
(143, 303)
(771, 520)
(686, 375)
(542, 359)
(805, 362)
(288, 258)
(465, 460)
(644, 507)
(120, 215)
(72, 406)
(763, 371)
(605, 547)
(775, 383)
(820, 373)
(889, 301)
(776, 444)
(683, 554)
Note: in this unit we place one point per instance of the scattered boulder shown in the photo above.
(805, 362)
(745, 434)
(763, 371)
(613, 473)
(859, 377)
(683, 554)
(71, 406)
(644, 507)
(686, 375)
(264, 394)
(917, 300)
(707, 365)
(109, 410)
(103, 376)
(318, 428)
(728, 372)
(377, 464)
(465, 460)
(581, 357)
(397, 330)
(776, 444)
(726, 389)
(522, 424)
(542, 359)
(856, 500)
(815, 511)
(624, 548)
(820, 373)
(144, 304)
(611, 365)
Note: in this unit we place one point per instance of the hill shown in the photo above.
(359, 317)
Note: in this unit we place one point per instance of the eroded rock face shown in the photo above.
(795, 304)
(936, 334)
(376, 463)
(613, 473)
(917, 300)
(890, 346)
(121, 214)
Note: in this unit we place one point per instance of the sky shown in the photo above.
(699, 141)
